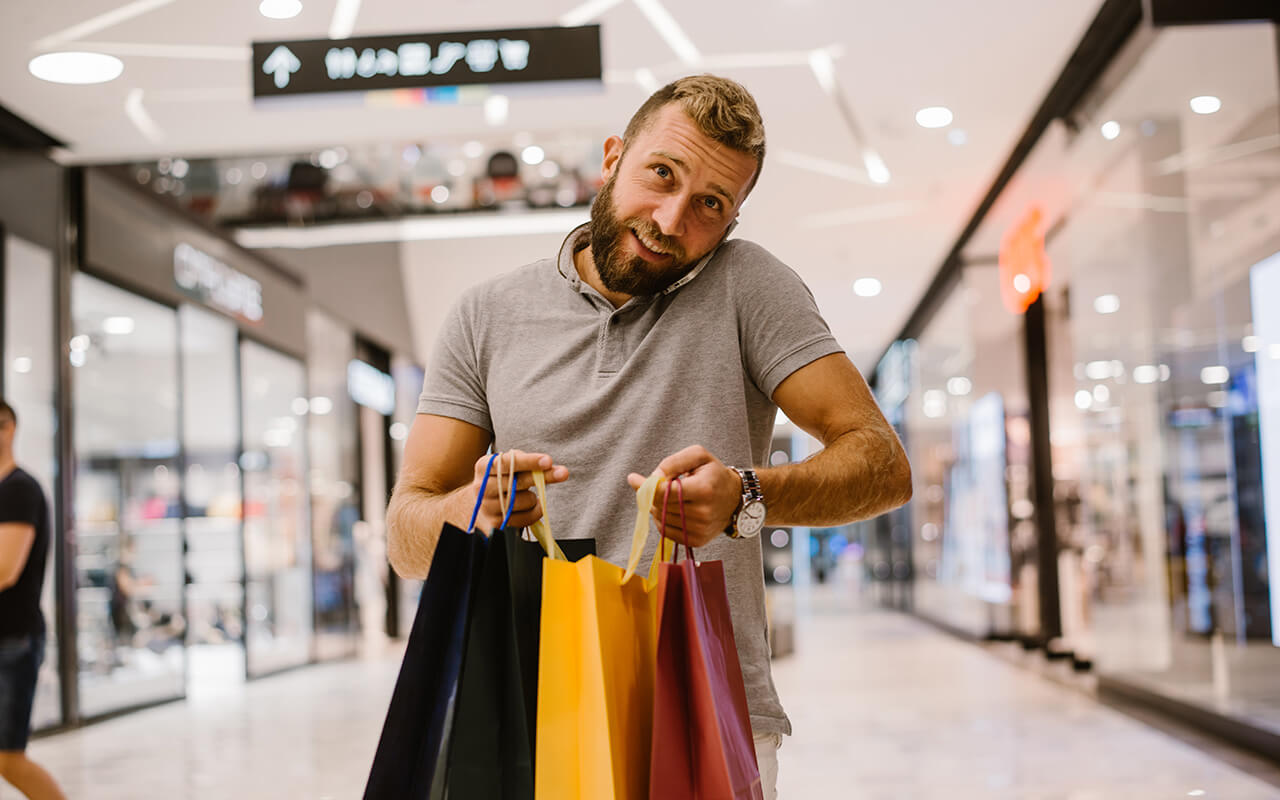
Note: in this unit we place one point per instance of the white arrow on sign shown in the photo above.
(281, 64)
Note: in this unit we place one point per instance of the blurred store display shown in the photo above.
(383, 181)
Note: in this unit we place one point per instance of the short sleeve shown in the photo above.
(18, 502)
(454, 384)
(779, 326)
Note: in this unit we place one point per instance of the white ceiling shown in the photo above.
(990, 61)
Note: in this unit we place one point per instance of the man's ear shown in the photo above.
(613, 148)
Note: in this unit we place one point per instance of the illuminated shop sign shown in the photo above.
(371, 387)
(1024, 265)
(426, 60)
(214, 283)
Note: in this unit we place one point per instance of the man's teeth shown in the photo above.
(651, 245)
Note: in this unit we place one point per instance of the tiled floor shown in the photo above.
(883, 706)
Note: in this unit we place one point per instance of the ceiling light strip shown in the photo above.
(100, 22)
(344, 18)
(587, 12)
(823, 166)
(669, 30)
(1195, 159)
(138, 115)
(197, 52)
(453, 226)
(824, 70)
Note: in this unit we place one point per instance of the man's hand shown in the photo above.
(527, 509)
(712, 492)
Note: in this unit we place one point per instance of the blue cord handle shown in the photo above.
(475, 512)
(511, 505)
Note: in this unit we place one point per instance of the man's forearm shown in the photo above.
(415, 518)
(859, 475)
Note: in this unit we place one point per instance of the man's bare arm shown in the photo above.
(440, 479)
(16, 539)
(862, 470)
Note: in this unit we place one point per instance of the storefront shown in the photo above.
(229, 448)
(1141, 412)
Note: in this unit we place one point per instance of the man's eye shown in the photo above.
(712, 203)
(662, 171)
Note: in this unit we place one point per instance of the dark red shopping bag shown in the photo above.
(702, 743)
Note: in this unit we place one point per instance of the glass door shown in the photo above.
(127, 530)
(277, 541)
(215, 556)
(29, 381)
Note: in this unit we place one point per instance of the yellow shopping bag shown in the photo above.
(596, 665)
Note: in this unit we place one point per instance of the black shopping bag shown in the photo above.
(412, 751)
(492, 745)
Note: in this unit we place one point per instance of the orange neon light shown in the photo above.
(1024, 265)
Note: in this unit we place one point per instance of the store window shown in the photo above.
(277, 534)
(334, 480)
(30, 375)
(214, 558)
(967, 437)
(127, 524)
(1160, 204)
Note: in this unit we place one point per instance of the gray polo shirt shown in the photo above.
(547, 364)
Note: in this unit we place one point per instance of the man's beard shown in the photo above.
(630, 274)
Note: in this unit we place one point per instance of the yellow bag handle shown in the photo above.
(644, 507)
(540, 529)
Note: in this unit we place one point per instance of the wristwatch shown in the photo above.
(748, 518)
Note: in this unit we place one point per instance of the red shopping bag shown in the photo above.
(702, 747)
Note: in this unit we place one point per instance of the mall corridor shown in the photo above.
(885, 707)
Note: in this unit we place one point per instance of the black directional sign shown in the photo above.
(426, 60)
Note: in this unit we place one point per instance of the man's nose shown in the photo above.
(669, 215)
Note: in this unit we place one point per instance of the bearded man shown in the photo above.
(653, 341)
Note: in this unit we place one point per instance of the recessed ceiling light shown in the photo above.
(957, 136)
(1212, 376)
(76, 67)
(280, 9)
(1205, 104)
(866, 287)
(1106, 304)
(959, 386)
(1083, 399)
(473, 149)
(533, 155)
(496, 109)
(120, 326)
(1110, 130)
(1021, 283)
(440, 194)
(934, 117)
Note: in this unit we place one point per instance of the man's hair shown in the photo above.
(7, 412)
(723, 110)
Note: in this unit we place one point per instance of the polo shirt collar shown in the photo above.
(572, 243)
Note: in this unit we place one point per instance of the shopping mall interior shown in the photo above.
(1047, 234)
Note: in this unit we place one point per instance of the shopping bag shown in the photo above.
(492, 744)
(414, 742)
(595, 674)
(702, 745)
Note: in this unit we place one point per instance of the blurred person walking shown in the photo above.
(24, 548)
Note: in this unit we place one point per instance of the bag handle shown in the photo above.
(540, 529)
(684, 526)
(644, 507)
(484, 484)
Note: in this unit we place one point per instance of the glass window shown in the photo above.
(1161, 204)
(215, 561)
(967, 437)
(334, 478)
(127, 535)
(30, 375)
(277, 535)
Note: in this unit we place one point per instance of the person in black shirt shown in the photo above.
(24, 548)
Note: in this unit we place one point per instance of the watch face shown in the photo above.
(751, 519)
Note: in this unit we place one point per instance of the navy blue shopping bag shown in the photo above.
(412, 750)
